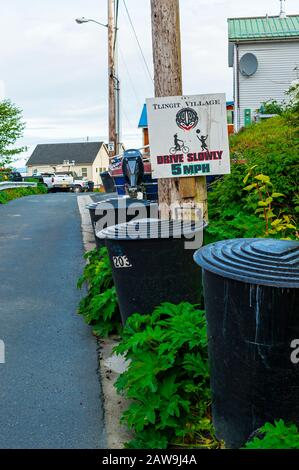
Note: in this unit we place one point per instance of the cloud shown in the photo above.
(56, 70)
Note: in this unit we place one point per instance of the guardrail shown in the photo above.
(15, 184)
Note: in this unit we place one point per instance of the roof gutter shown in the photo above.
(263, 39)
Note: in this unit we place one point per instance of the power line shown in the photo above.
(139, 45)
(138, 101)
(127, 117)
(116, 24)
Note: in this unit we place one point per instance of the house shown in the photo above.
(87, 159)
(144, 126)
(264, 54)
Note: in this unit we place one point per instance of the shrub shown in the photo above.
(272, 107)
(10, 194)
(167, 380)
(271, 145)
(275, 436)
(99, 307)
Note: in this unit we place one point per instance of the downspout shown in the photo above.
(238, 89)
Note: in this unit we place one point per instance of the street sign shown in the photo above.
(111, 147)
(188, 136)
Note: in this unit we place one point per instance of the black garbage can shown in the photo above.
(151, 264)
(92, 212)
(90, 186)
(251, 301)
(119, 210)
(108, 182)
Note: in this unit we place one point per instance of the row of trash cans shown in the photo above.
(141, 252)
(251, 297)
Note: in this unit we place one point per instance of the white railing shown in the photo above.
(15, 184)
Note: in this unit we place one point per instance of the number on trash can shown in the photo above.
(121, 262)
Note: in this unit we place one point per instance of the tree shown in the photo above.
(11, 129)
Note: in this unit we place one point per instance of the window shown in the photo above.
(84, 172)
(230, 116)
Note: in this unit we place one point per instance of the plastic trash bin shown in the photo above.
(151, 265)
(108, 182)
(119, 210)
(92, 212)
(251, 301)
(90, 186)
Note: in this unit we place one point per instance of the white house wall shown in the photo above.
(276, 70)
(101, 162)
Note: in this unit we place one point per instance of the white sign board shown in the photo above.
(188, 136)
(111, 147)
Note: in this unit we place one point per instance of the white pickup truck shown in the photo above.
(68, 181)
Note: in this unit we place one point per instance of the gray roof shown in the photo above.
(55, 154)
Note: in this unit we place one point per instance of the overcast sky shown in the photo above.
(56, 70)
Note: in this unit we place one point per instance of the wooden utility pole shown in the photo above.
(112, 76)
(166, 39)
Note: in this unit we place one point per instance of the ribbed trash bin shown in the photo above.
(251, 301)
(119, 210)
(108, 182)
(151, 264)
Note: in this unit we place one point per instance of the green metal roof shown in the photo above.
(271, 27)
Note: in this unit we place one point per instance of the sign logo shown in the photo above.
(187, 119)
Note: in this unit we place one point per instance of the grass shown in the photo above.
(15, 193)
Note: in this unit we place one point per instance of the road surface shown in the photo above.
(50, 393)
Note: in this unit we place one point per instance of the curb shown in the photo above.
(110, 366)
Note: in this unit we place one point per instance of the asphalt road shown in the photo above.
(50, 393)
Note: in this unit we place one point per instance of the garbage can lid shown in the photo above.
(123, 203)
(144, 229)
(266, 261)
(94, 205)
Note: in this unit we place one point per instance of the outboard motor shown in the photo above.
(133, 171)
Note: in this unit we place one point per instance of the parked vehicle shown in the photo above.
(10, 176)
(68, 181)
(81, 184)
(62, 180)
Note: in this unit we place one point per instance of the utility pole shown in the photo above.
(112, 76)
(166, 40)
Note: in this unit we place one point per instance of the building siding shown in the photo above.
(277, 62)
(101, 161)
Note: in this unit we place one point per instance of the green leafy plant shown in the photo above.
(10, 194)
(269, 205)
(167, 380)
(292, 110)
(272, 145)
(99, 307)
(272, 107)
(275, 436)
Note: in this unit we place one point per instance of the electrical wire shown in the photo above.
(138, 43)
(138, 101)
(127, 117)
(116, 24)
